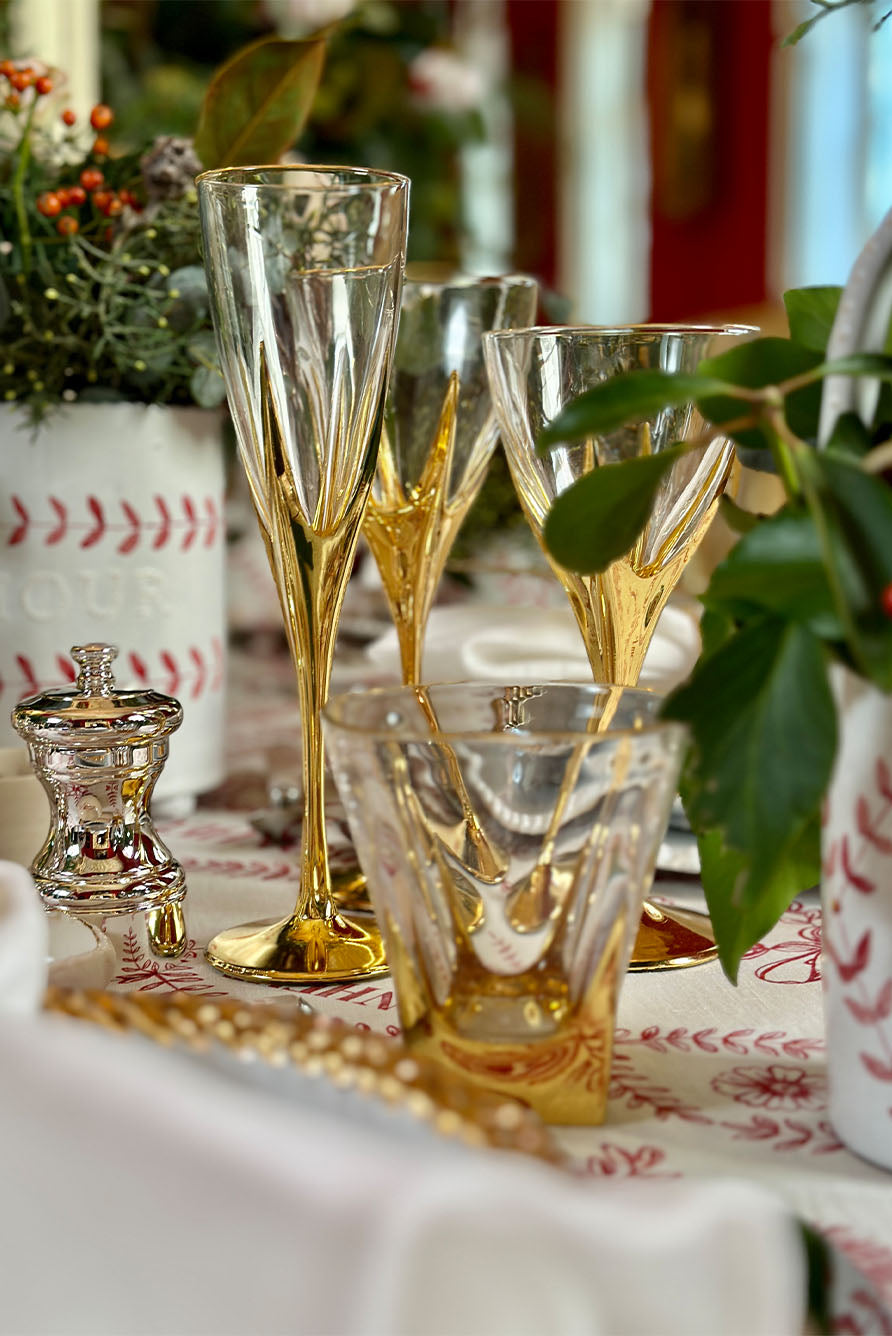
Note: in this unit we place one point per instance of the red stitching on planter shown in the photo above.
(58, 533)
(135, 524)
(192, 517)
(18, 533)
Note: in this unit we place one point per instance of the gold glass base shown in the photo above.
(299, 951)
(672, 939)
(350, 891)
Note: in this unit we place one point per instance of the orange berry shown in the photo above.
(886, 600)
(49, 204)
(76, 195)
(113, 207)
(91, 178)
(68, 116)
(100, 147)
(44, 84)
(101, 117)
(13, 101)
(7, 67)
(67, 226)
(21, 79)
(101, 199)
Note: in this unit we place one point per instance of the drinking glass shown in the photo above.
(305, 265)
(508, 835)
(439, 434)
(534, 374)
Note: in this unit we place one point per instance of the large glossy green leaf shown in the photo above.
(599, 518)
(743, 906)
(778, 566)
(258, 101)
(810, 313)
(623, 399)
(754, 365)
(855, 508)
(763, 732)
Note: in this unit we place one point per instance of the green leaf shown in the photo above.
(763, 731)
(744, 906)
(599, 518)
(858, 507)
(754, 365)
(626, 399)
(850, 436)
(778, 566)
(810, 312)
(716, 627)
(257, 103)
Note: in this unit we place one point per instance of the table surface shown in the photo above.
(708, 1079)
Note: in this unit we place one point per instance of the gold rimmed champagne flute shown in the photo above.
(439, 435)
(305, 265)
(534, 374)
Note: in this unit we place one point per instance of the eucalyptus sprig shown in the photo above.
(803, 588)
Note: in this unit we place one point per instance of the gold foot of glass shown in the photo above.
(672, 939)
(166, 930)
(350, 891)
(298, 951)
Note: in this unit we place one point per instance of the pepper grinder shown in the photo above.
(98, 752)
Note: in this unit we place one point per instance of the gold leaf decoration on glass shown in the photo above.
(534, 374)
(305, 266)
(439, 435)
(507, 966)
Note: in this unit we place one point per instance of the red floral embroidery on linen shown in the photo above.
(612, 1161)
(786, 1134)
(773, 1087)
(636, 1091)
(145, 974)
(872, 1259)
(237, 867)
(797, 960)
(771, 1043)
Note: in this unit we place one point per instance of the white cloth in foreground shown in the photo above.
(528, 645)
(143, 1193)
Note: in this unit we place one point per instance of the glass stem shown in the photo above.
(319, 578)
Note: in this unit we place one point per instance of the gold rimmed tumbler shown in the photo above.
(305, 265)
(439, 435)
(534, 374)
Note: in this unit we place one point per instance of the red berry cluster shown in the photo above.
(92, 185)
(20, 77)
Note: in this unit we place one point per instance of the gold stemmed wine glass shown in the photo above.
(534, 374)
(305, 265)
(439, 435)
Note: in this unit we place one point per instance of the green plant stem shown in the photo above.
(813, 501)
(18, 189)
(783, 446)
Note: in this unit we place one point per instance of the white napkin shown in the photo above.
(23, 942)
(145, 1193)
(528, 645)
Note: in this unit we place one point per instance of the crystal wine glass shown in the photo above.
(534, 374)
(439, 434)
(305, 266)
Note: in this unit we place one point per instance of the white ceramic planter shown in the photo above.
(857, 921)
(111, 528)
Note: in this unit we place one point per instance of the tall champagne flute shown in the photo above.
(439, 435)
(534, 374)
(305, 266)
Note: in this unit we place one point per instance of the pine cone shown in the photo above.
(169, 168)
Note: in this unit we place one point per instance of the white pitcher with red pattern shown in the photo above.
(857, 920)
(111, 529)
